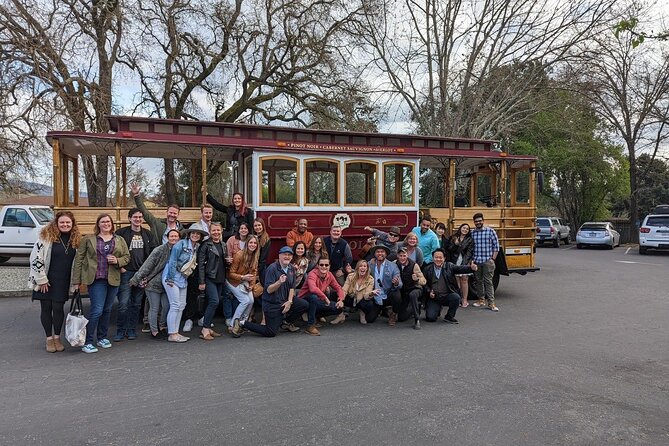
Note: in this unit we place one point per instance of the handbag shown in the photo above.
(75, 324)
(188, 267)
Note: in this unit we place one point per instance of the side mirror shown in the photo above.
(540, 180)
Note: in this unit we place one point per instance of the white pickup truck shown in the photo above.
(19, 228)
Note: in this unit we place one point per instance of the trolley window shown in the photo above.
(322, 182)
(398, 181)
(361, 183)
(279, 180)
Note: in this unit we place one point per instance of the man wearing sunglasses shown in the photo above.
(388, 239)
(320, 286)
(486, 248)
(387, 285)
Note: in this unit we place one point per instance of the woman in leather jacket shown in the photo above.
(211, 266)
(462, 253)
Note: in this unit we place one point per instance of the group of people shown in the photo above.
(184, 276)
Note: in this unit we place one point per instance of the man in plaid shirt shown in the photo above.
(486, 248)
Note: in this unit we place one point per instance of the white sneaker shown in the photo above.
(200, 322)
(188, 325)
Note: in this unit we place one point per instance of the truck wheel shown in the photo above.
(556, 242)
(3, 259)
(568, 239)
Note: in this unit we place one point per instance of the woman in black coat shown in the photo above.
(462, 253)
(51, 273)
(236, 213)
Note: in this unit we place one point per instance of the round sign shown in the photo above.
(343, 220)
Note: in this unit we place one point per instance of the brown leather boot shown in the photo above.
(392, 318)
(59, 345)
(50, 346)
(312, 330)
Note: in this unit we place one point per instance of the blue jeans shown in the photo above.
(274, 317)
(213, 292)
(228, 303)
(129, 301)
(102, 296)
(245, 299)
(317, 306)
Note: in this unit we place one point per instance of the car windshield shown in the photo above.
(543, 222)
(661, 220)
(43, 215)
(593, 227)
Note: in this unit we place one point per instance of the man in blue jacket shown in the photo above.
(387, 286)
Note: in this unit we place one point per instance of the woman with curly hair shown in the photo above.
(51, 263)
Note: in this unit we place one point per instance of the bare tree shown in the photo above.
(59, 57)
(249, 60)
(468, 68)
(629, 85)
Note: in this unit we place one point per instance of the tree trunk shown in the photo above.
(634, 205)
(170, 182)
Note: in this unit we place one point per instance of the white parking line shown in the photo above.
(627, 250)
(570, 247)
(638, 263)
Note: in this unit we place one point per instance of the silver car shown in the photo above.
(597, 233)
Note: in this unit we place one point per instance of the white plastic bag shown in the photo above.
(75, 324)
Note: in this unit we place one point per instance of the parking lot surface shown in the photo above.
(577, 355)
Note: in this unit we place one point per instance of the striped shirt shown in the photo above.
(485, 244)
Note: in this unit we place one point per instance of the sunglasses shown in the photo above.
(393, 235)
(323, 264)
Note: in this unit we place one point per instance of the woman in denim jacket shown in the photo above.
(176, 282)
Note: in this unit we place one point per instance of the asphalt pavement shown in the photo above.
(577, 355)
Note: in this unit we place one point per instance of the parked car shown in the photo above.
(553, 230)
(19, 229)
(597, 233)
(654, 230)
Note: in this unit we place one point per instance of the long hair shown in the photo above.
(263, 238)
(242, 209)
(248, 234)
(323, 252)
(357, 269)
(295, 256)
(51, 233)
(251, 258)
(97, 223)
(458, 233)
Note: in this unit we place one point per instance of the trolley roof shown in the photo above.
(183, 139)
